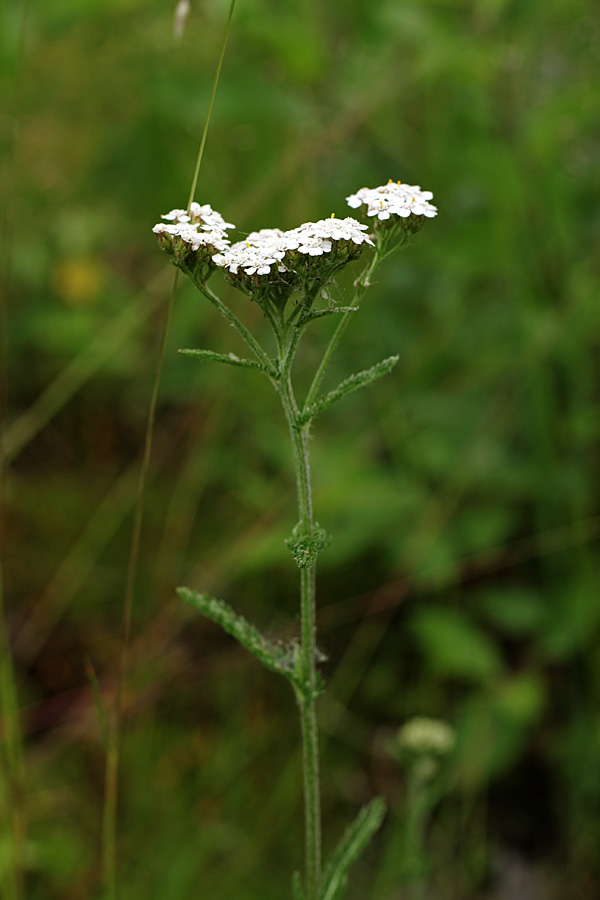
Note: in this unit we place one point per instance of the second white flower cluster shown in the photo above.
(263, 251)
(394, 199)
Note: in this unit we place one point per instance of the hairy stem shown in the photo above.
(306, 702)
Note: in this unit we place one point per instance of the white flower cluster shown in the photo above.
(256, 255)
(424, 735)
(201, 227)
(264, 250)
(394, 199)
(315, 238)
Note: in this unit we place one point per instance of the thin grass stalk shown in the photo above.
(211, 102)
(12, 769)
(111, 783)
(12, 761)
(109, 817)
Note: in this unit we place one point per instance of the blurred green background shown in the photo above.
(461, 491)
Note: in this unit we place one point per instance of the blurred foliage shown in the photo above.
(461, 491)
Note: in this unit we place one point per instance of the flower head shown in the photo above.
(406, 201)
(202, 216)
(192, 238)
(422, 735)
(281, 257)
(421, 745)
(319, 237)
(260, 254)
(256, 266)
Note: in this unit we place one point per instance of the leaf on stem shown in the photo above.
(353, 383)
(276, 658)
(355, 839)
(319, 313)
(306, 547)
(229, 359)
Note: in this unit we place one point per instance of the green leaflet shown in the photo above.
(319, 313)
(277, 658)
(229, 359)
(353, 842)
(304, 547)
(353, 383)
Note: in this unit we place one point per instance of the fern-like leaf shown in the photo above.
(229, 359)
(353, 842)
(277, 658)
(353, 383)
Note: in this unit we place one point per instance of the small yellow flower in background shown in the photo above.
(78, 280)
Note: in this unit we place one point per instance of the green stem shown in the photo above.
(306, 702)
(362, 284)
(417, 809)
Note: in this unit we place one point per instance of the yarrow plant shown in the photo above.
(288, 273)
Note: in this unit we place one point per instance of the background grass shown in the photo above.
(461, 491)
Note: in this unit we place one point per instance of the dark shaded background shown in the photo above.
(461, 491)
